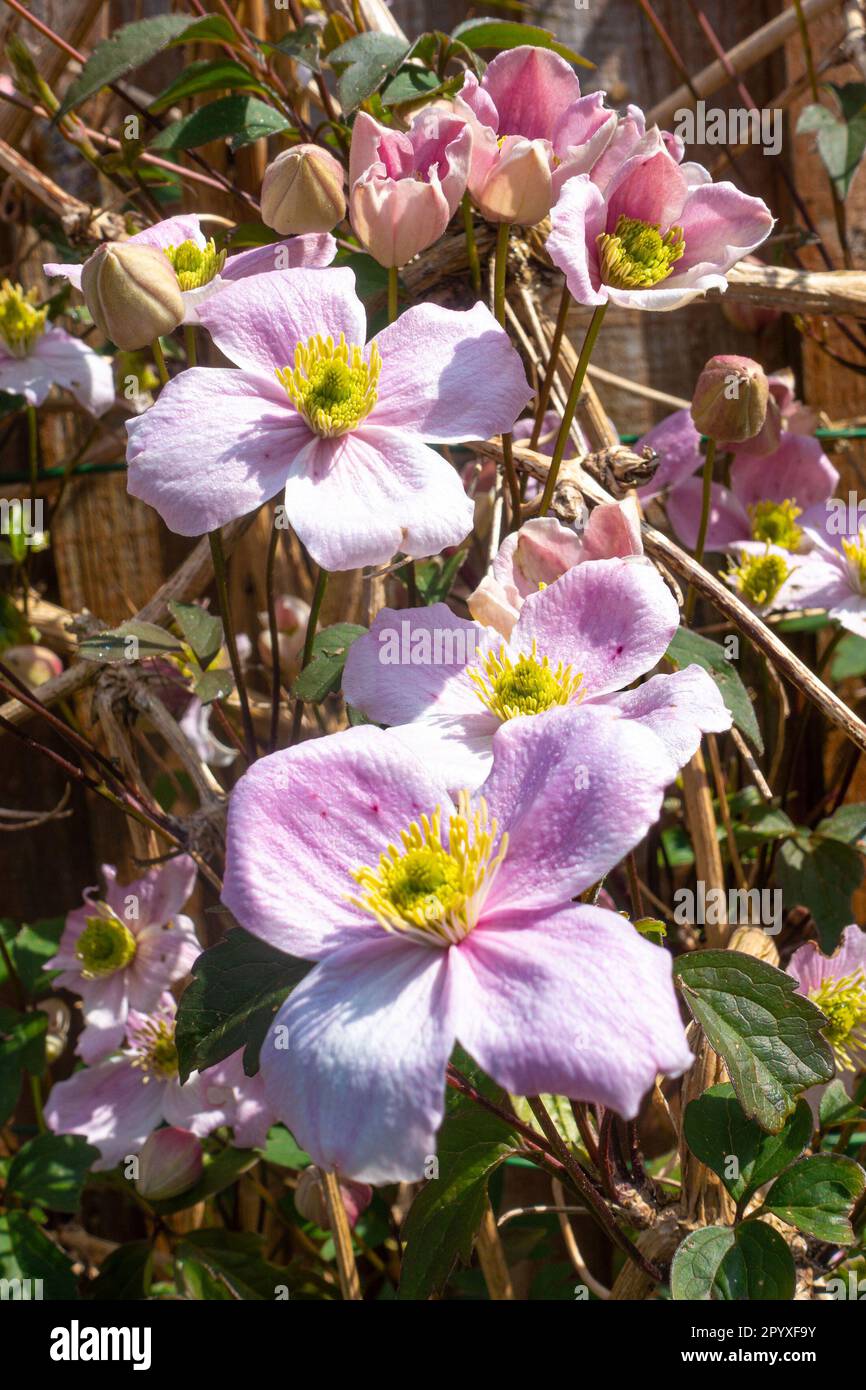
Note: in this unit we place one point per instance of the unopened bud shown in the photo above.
(132, 293)
(730, 400)
(302, 191)
(35, 665)
(169, 1163)
(310, 1198)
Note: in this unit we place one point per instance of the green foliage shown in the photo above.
(132, 45)
(51, 1171)
(322, 676)
(717, 1130)
(840, 140)
(503, 34)
(241, 119)
(724, 1263)
(364, 62)
(690, 647)
(816, 1196)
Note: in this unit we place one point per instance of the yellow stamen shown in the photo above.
(158, 1052)
(855, 554)
(194, 265)
(776, 523)
(21, 324)
(758, 578)
(637, 256)
(105, 946)
(525, 686)
(333, 387)
(430, 891)
(843, 1002)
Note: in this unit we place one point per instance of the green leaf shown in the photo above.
(31, 948)
(243, 118)
(849, 659)
(301, 45)
(126, 1273)
(231, 1000)
(848, 824)
(841, 141)
(132, 45)
(445, 1216)
(209, 75)
(202, 630)
(717, 1130)
(750, 1262)
(214, 29)
(688, 647)
(51, 1170)
(283, 1150)
(837, 1107)
(822, 875)
(370, 58)
(132, 641)
(218, 1264)
(27, 1253)
(214, 685)
(220, 1171)
(22, 1046)
(500, 34)
(817, 1195)
(768, 1035)
(411, 84)
(325, 671)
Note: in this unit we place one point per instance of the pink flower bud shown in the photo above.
(292, 615)
(169, 1163)
(132, 292)
(35, 665)
(302, 191)
(517, 186)
(310, 1198)
(730, 399)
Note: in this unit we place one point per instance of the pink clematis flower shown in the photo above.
(121, 951)
(832, 576)
(434, 921)
(531, 130)
(404, 188)
(202, 270)
(121, 1100)
(658, 235)
(338, 426)
(542, 551)
(34, 356)
(630, 130)
(837, 985)
(446, 686)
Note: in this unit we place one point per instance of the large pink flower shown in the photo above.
(118, 1102)
(338, 426)
(34, 357)
(531, 130)
(201, 271)
(404, 188)
(433, 922)
(446, 685)
(121, 951)
(658, 235)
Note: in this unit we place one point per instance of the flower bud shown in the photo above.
(35, 665)
(310, 1198)
(57, 1032)
(730, 399)
(292, 616)
(518, 187)
(302, 191)
(132, 293)
(169, 1163)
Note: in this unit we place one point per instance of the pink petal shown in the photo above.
(163, 956)
(580, 137)
(432, 362)
(678, 445)
(160, 894)
(70, 363)
(577, 218)
(679, 708)
(810, 967)
(113, 1105)
(246, 436)
(799, 470)
(721, 225)
(729, 521)
(201, 1105)
(396, 219)
(171, 232)
(530, 88)
(613, 530)
(650, 185)
(585, 968)
(105, 1006)
(312, 251)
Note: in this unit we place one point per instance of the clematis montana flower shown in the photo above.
(404, 188)
(837, 985)
(832, 576)
(121, 951)
(34, 356)
(630, 130)
(433, 921)
(338, 426)
(659, 234)
(542, 551)
(202, 270)
(531, 130)
(446, 685)
(118, 1102)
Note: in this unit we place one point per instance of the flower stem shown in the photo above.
(36, 1094)
(219, 569)
(706, 497)
(312, 624)
(350, 1284)
(159, 359)
(274, 634)
(33, 473)
(553, 359)
(592, 333)
(503, 233)
(471, 245)
(393, 292)
(189, 341)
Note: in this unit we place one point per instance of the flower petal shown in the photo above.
(678, 444)
(164, 955)
(113, 1105)
(799, 470)
(577, 218)
(74, 365)
(105, 1005)
(679, 708)
(728, 520)
(412, 665)
(530, 87)
(721, 225)
(312, 251)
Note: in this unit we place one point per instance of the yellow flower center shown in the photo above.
(194, 265)
(157, 1052)
(636, 255)
(432, 891)
(843, 1002)
(776, 523)
(21, 324)
(333, 387)
(105, 946)
(525, 686)
(855, 554)
(758, 578)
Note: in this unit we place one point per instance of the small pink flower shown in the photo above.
(433, 922)
(658, 235)
(447, 686)
(202, 271)
(837, 985)
(121, 951)
(121, 1100)
(404, 188)
(35, 355)
(339, 427)
(832, 576)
